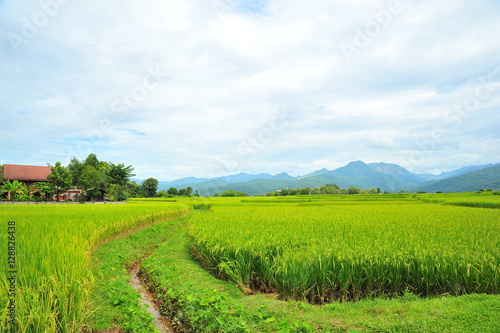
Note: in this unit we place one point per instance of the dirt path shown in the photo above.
(147, 298)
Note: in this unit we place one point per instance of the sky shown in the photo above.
(209, 88)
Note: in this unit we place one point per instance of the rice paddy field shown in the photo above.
(350, 247)
(322, 250)
(53, 246)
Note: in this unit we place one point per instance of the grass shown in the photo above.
(115, 300)
(54, 246)
(72, 268)
(196, 301)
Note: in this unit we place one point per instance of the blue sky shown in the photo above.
(208, 88)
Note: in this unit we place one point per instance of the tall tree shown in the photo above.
(119, 173)
(91, 181)
(150, 186)
(61, 178)
(75, 167)
(92, 161)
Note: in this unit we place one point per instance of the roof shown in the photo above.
(30, 173)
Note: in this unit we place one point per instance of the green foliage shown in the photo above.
(186, 192)
(91, 181)
(61, 178)
(75, 167)
(119, 174)
(173, 191)
(12, 188)
(328, 189)
(115, 298)
(96, 177)
(353, 190)
(134, 190)
(149, 187)
(92, 161)
(194, 301)
(202, 206)
(45, 190)
(231, 193)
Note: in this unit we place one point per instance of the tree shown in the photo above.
(232, 193)
(150, 186)
(75, 167)
(92, 161)
(116, 180)
(119, 173)
(12, 188)
(330, 189)
(90, 181)
(134, 190)
(45, 189)
(163, 194)
(305, 190)
(186, 191)
(353, 190)
(173, 191)
(61, 178)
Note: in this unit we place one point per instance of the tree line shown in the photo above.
(325, 189)
(96, 179)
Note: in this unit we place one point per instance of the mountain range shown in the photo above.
(385, 176)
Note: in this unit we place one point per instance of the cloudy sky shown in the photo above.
(214, 87)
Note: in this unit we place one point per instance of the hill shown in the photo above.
(473, 181)
(385, 176)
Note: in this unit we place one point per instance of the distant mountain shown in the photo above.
(189, 180)
(230, 179)
(387, 177)
(283, 176)
(244, 177)
(362, 175)
(400, 172)
(473, 181)
(316, 173)
(462, 171)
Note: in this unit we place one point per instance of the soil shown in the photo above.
(147, 298)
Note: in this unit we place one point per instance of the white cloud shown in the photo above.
(82, 82)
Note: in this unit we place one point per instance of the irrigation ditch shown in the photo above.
(147, 299)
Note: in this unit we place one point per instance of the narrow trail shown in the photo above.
(147, 298)
(161, 323)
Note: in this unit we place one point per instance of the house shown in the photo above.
(30, 174)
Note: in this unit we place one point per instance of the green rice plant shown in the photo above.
(54, 244)
(350, 250)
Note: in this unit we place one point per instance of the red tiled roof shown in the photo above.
(26, 172)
